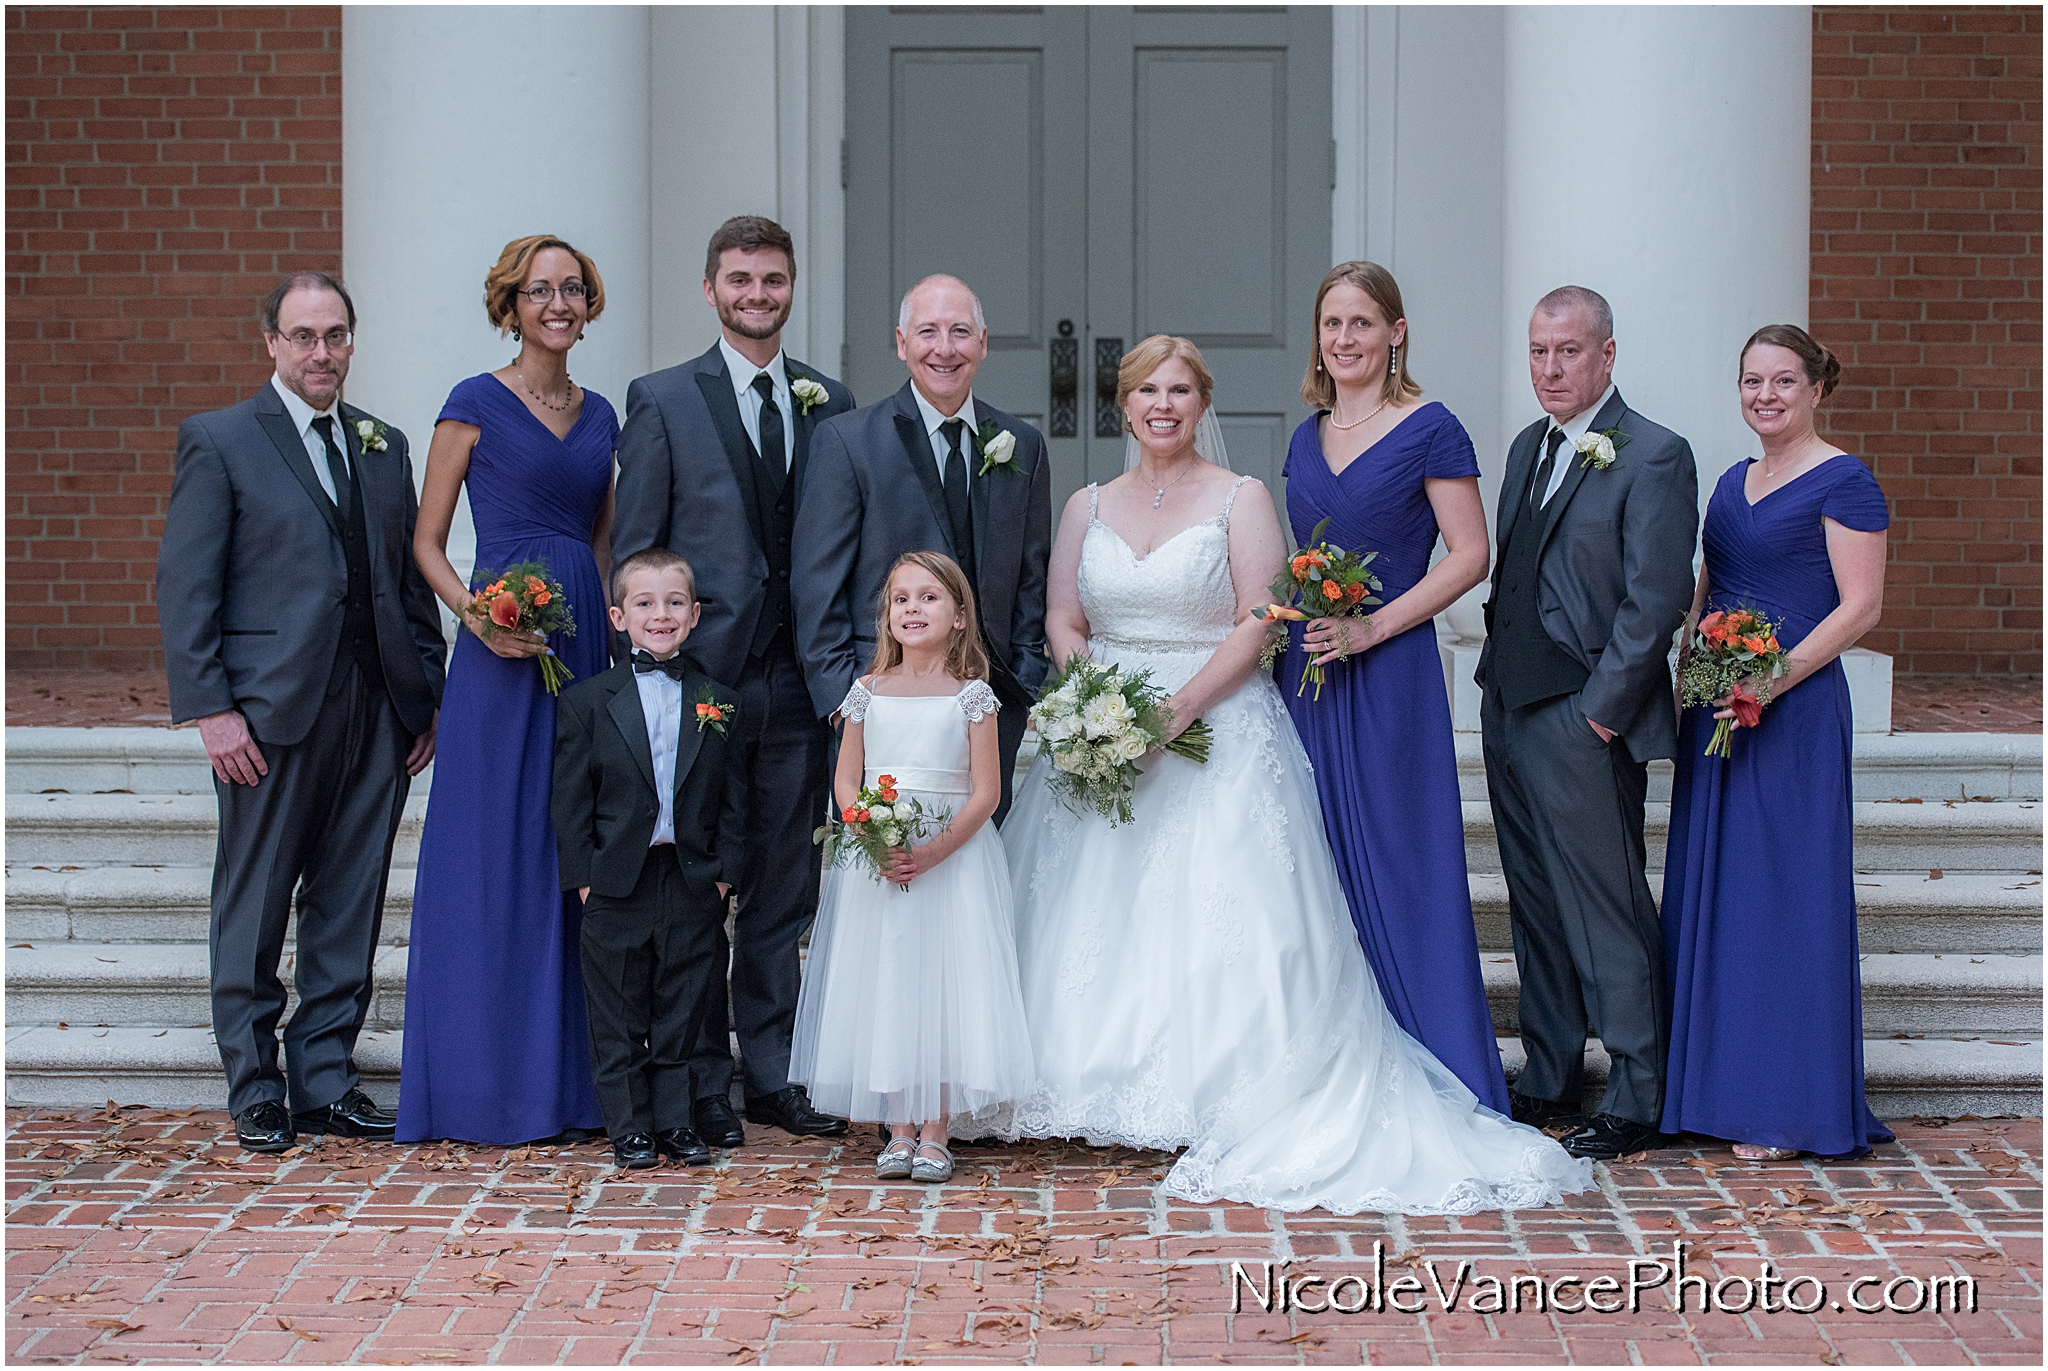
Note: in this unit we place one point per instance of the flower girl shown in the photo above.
(910, 1012)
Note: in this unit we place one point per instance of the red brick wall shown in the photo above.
(1927, 282)
(164, 166)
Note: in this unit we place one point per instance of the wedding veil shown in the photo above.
(1208, 443)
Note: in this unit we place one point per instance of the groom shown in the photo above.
(1594, 574)
(711, 465)
(931, 468)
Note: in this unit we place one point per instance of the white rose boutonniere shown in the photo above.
(1597, 449)
(998, 449)
(807, 393)
(371, 432)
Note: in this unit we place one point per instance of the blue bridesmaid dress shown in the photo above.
(1759, 910)
(1380, 742)
(497, 1049)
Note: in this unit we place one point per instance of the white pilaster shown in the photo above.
(1660, 156)
(464, 128)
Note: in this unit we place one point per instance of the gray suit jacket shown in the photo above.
(872, 493)
(251, 576)
(1615, 570)
(684, 484)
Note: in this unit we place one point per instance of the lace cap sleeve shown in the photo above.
(854, 708)
(977, 701)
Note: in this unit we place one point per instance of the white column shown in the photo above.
(1659, 156)
(462, 129)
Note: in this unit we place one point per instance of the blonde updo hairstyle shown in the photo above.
(1318, 390)
(1154, 353)
(505, 280)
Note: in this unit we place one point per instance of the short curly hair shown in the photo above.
(503, 281)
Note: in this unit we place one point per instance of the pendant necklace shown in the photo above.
(1159, 494)
(1356, 422)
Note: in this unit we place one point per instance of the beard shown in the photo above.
(730, 316)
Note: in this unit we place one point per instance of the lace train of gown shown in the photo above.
(1192, 979)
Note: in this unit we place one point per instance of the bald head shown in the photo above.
(942, 338)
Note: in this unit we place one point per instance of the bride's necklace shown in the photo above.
(1159, 493)
(1356, 422)
(541, 400)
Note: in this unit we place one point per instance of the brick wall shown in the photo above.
(1927, 282)
(164, 166)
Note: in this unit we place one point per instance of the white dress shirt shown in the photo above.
(661, 700)
(932, 422)
(742, 371)
(1573, 429)
(303, 416)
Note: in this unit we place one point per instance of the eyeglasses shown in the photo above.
(305, 340)
(540, 295)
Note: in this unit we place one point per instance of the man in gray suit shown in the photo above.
(303, 640)
(1596, 523)
(711, 465)
(931, 468)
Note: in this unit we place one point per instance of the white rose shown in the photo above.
(1000, 449)
(808, 392)
(1598, 449)
(1131, 748)
(880, 813)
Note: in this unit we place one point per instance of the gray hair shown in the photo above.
(1567, 298)
(903, 311)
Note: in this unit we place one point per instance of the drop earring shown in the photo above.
(1393, 354)
(515, 333)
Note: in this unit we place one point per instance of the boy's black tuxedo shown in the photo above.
(652, 942)
(605, 803)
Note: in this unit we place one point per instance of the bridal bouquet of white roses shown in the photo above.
(1094, 723)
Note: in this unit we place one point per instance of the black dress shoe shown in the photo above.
(354, 1115)
(1540, 1113)
(682, 1147)
(790, 1110)
(635, 1152)
(265, 1127)
(716, 1124)
(1607, 1136)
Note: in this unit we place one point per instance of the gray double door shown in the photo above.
(1096, 174)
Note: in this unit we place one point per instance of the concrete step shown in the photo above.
(60, 831)
(1973, 912)
(1950, 996)
(179, 1068)
(99, 985)
(100, 761)
(1901, 1078)
(146, 904)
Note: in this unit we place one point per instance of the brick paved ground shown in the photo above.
(1928, 704)
(137, 1235)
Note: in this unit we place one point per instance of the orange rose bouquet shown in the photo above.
(877, 823)
(525, 599)
(1734, 655)
(1322, 581)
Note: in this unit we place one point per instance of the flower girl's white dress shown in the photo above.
(910, 1008)
(1193, 980)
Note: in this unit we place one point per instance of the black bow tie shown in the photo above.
(673, 668)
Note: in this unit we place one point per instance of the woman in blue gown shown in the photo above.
(496, 1044)
(1759, 909)
(1390, 473)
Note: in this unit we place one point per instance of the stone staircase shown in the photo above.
(110, 845)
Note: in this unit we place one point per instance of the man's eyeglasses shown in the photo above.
(540, 295)
(304, 340)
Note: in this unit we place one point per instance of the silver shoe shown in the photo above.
(929, 1171)
(895, 1163)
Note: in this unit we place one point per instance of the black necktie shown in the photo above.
(1544, 468)
(772, 450)
(645, 661)
(336, 467)
(953, 475)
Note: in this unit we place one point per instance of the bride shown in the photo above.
(1192, 979)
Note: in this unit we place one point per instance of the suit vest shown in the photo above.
(1528, 665)
(358, 621)
(776, 499)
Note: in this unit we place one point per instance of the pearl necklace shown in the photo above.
(1159, 493)
(1356, 422)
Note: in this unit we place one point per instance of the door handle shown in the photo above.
(1109, 353)
(1064, 419)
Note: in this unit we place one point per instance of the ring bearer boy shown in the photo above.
(649, 804)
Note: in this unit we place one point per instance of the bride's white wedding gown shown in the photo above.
(1192, 979)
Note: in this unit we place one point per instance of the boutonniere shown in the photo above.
(371, 432)
(807, 393)
(713, 712)
(998, 448)
(1597, 449)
